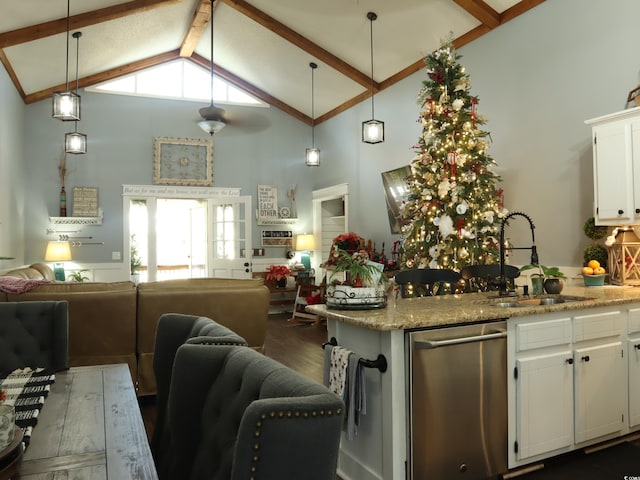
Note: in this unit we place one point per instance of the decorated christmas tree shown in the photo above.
(454, 208)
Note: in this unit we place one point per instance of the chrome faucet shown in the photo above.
(502, 281)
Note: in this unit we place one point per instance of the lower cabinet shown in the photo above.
(569, 383)
(633, 356)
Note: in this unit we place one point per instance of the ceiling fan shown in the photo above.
(213, 118)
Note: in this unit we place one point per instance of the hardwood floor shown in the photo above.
(296, 345)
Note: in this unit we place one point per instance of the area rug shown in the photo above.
(26, 390)
(620, 462)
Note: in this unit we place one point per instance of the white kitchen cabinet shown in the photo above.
(569, 382)
(598, 373)
(633, 356)
(545, 403)
(616, 161)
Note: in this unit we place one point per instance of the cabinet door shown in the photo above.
(544, 403)
(633, 352)
(613, 173)
(599, 390)
(635, 155)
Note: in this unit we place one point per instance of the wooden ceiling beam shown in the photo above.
(299, 41)
(481, 11)
(54, 27)
(198, 25)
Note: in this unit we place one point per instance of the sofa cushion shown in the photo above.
(40, 271)
(201, 283)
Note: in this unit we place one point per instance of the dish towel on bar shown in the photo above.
(338, 382)
(354, 395)
(357, 399)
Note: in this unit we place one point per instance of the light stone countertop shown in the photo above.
(448, 310)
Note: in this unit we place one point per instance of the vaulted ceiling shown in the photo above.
(262, 46)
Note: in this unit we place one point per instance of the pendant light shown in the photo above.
(372, 130)
(212, 117)
(312, 156)
(66, 105)
(76, 142)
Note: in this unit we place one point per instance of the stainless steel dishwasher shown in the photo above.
(458, 402)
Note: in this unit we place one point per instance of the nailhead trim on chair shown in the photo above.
(282, 414)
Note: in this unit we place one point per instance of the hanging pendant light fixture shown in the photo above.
(212, 117)
(372, 130)
(65, 105)
(76, 142)
(312, 155)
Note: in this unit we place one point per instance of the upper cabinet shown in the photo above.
(616, 160)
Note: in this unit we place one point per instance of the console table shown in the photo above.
(90, 428)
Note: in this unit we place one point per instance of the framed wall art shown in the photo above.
(182, 161)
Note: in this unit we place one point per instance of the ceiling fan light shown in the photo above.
(211, 126)
(65, 106)
(312, 157)
(373, 131)
(75, 143)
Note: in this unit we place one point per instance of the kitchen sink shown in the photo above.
(537, 301)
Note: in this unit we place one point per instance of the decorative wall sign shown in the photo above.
(277, 238)
(267, 203)
(85, 201)
(183, 161)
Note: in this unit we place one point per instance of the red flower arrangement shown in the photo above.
(277, 272)
(350, 242)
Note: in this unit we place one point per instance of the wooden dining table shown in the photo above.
(90, 427)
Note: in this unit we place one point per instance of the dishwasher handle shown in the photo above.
(431, 344)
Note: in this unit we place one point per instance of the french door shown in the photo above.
(230, 255)
(189, 237)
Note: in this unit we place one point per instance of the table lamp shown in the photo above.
(58, 252)
(304, 244)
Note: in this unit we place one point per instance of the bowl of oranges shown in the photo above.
(593, 274)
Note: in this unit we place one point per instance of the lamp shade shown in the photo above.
(58, 251)
(305, 242)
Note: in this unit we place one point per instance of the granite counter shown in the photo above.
(449, 310)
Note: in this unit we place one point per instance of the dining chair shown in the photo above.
(423, 282)
(175, 329)
(483, 278)
(237, 414)
(34, 335)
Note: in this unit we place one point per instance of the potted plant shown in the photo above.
(78, 275)
(548, 279)
(278, 274)
(359, 269)
(595, 251)
(136, 261)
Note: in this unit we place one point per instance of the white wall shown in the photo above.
(12, 128)
(121, 130)
(538, 78)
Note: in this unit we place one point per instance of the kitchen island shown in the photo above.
(601, 321)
